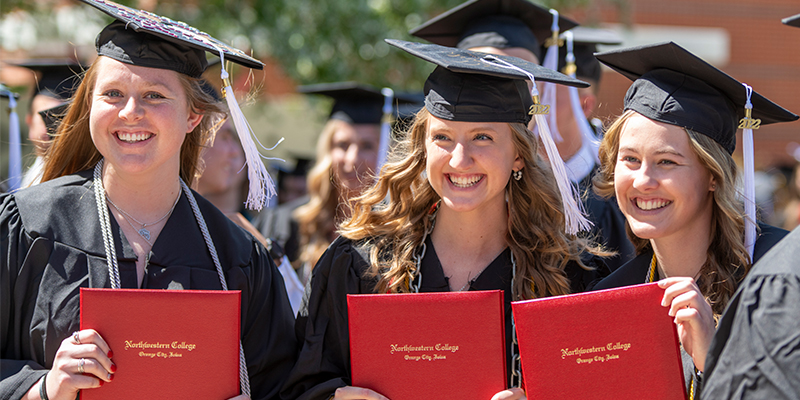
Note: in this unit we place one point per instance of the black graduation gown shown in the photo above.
(635, 272)
(51, 245)
(754, 354)
(324, 360)
(609, 228)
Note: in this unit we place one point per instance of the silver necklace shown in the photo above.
(143, 231)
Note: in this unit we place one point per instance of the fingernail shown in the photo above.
(102, 382)
(110, 377)
(113, 368)
(110, 354)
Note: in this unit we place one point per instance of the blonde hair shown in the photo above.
(727, 259)
(73, 150)
(316, 219)
(396, 229)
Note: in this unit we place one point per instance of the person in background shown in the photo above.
(668, 159)
(56, 81)
(114, 211)
(346, 163)
(465, 203)
(753, 354)
(292, 182)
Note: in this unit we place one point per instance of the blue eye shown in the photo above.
(482, 136)
(629, 159)
(112, 93)
(436, 137)
(154, 96)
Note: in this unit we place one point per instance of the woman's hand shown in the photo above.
(357, 393)
(693, 316)
(83, 361)
(240, 397)
(510, 394)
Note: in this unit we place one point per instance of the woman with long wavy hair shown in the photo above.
(465, 201)
(668, 160)
(114, 211)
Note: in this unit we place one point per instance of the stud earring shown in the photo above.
(517, 175)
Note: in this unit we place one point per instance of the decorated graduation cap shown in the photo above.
(52, 117)
(14, 140)
(673, 86)
(477, 87)
(145, 39)
(56, 78)
(794, 21)
(493, 23)
(357, 103)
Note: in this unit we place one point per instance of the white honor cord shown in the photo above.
(111, 253)
(749, 182)
(574, 217)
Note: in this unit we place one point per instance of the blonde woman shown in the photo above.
(471, 206)
(668, 161)
(117, 172)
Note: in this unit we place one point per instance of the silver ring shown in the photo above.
(80, 366)
(76, 338)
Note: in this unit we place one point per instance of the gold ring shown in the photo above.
(80, 366)
(76, 337)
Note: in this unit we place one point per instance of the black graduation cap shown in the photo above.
(674, 86)
(470, 86)
(585, 41)
(57, 78)
(52, 117)
(355, 103)
(145, 39)
(492, 23)
(794, 21)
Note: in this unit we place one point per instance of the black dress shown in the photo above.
(636, 271)
(609, 227)
(755, 352)
(324, 360)
(51, 245)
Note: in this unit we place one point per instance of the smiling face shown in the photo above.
(469, 164)
(139, 118)
(354, 155)
(661, 185)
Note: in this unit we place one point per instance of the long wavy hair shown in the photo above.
(397, 228)
(727, 259)
(73, 150)
(316, 219)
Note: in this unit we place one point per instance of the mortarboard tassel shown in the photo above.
(15, 146)
(386, 127)
(549, 88)
(574, 216)
(748, 124)
(261, 186)
(587, 133)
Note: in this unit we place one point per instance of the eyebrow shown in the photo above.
(668, 151)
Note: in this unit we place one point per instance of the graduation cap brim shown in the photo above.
(360, 103)
(172, 31)
(794, 21)
(636, 61)
(447, 28)
(585, 35)
(59, 78)
(472, 62)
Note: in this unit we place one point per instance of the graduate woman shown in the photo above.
(472, 206)
(668, 161)
(117, 174)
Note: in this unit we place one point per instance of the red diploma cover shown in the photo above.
(167, 344)
(428, 345)
(609, 344)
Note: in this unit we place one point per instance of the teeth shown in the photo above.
(463, 182)
(133, 137)
(648, 205)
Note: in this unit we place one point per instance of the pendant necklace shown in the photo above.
(144, 232)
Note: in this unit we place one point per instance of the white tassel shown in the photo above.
(587, 133)
(548, 88)
(574, 215)
(14, 147)
(261, 186)
(386, 127)
(749, 174)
